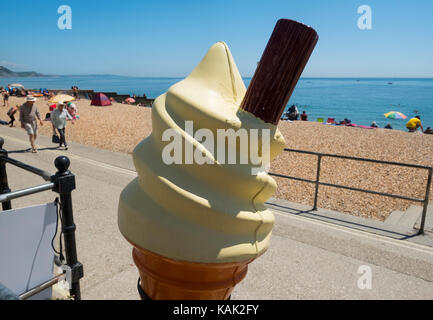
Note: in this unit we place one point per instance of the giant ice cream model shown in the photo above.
(196, 225)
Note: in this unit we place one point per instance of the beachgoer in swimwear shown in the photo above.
(304, 116)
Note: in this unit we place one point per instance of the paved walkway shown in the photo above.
(309, 258)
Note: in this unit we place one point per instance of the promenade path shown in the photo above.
(308, 258)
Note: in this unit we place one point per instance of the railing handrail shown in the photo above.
(44, 174)
(320, 155)
(63, 183)
(25, 192)
(359, 159)
(349, 188)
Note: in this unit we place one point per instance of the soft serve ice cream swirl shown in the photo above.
(209, 213)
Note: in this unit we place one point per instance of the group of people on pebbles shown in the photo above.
(412, 125)
(29, 116)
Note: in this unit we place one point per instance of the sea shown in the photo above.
(362, 100)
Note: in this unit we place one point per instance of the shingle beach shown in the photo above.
(121, 127)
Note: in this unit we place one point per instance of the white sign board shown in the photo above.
(26, 255)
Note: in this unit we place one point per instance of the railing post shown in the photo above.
(319, 160)
(65, 183)
(427, 195)
(4, 187)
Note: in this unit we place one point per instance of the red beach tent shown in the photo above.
(100, 99)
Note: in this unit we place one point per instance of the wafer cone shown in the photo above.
(167, 279)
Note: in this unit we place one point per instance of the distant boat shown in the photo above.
(389, 82)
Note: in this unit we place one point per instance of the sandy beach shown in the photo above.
(120, 127)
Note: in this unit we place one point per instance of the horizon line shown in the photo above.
(177, 77)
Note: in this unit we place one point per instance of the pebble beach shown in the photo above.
(121, 127)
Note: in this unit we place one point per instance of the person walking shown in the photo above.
(58, 119)
(11, 113)
(28, 114)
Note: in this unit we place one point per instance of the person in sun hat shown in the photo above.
(58, 119)
(28, 114)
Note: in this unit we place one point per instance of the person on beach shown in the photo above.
(72, 109)
(58, 119)
(48, 114)
(46, 94)
(75, 92)
(304, 116)
(293, 113)
(5, 98)
(11, 112)
(428, 130)
(388, 126)
(374, 124)
(28, 114)
(413, 124)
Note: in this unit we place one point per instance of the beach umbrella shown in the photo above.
(395, 115)
(130, 100)
(17, 85)
(61, 97)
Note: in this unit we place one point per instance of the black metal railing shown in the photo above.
(317, 182)
(63, 183)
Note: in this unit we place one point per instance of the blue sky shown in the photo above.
(168, 38)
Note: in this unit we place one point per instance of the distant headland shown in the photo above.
(6, 73)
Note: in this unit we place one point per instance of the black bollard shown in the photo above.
(4, 187)
(64, 184)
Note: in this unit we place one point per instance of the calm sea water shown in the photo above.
(361, 100)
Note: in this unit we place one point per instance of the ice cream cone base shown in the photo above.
(166, 279)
